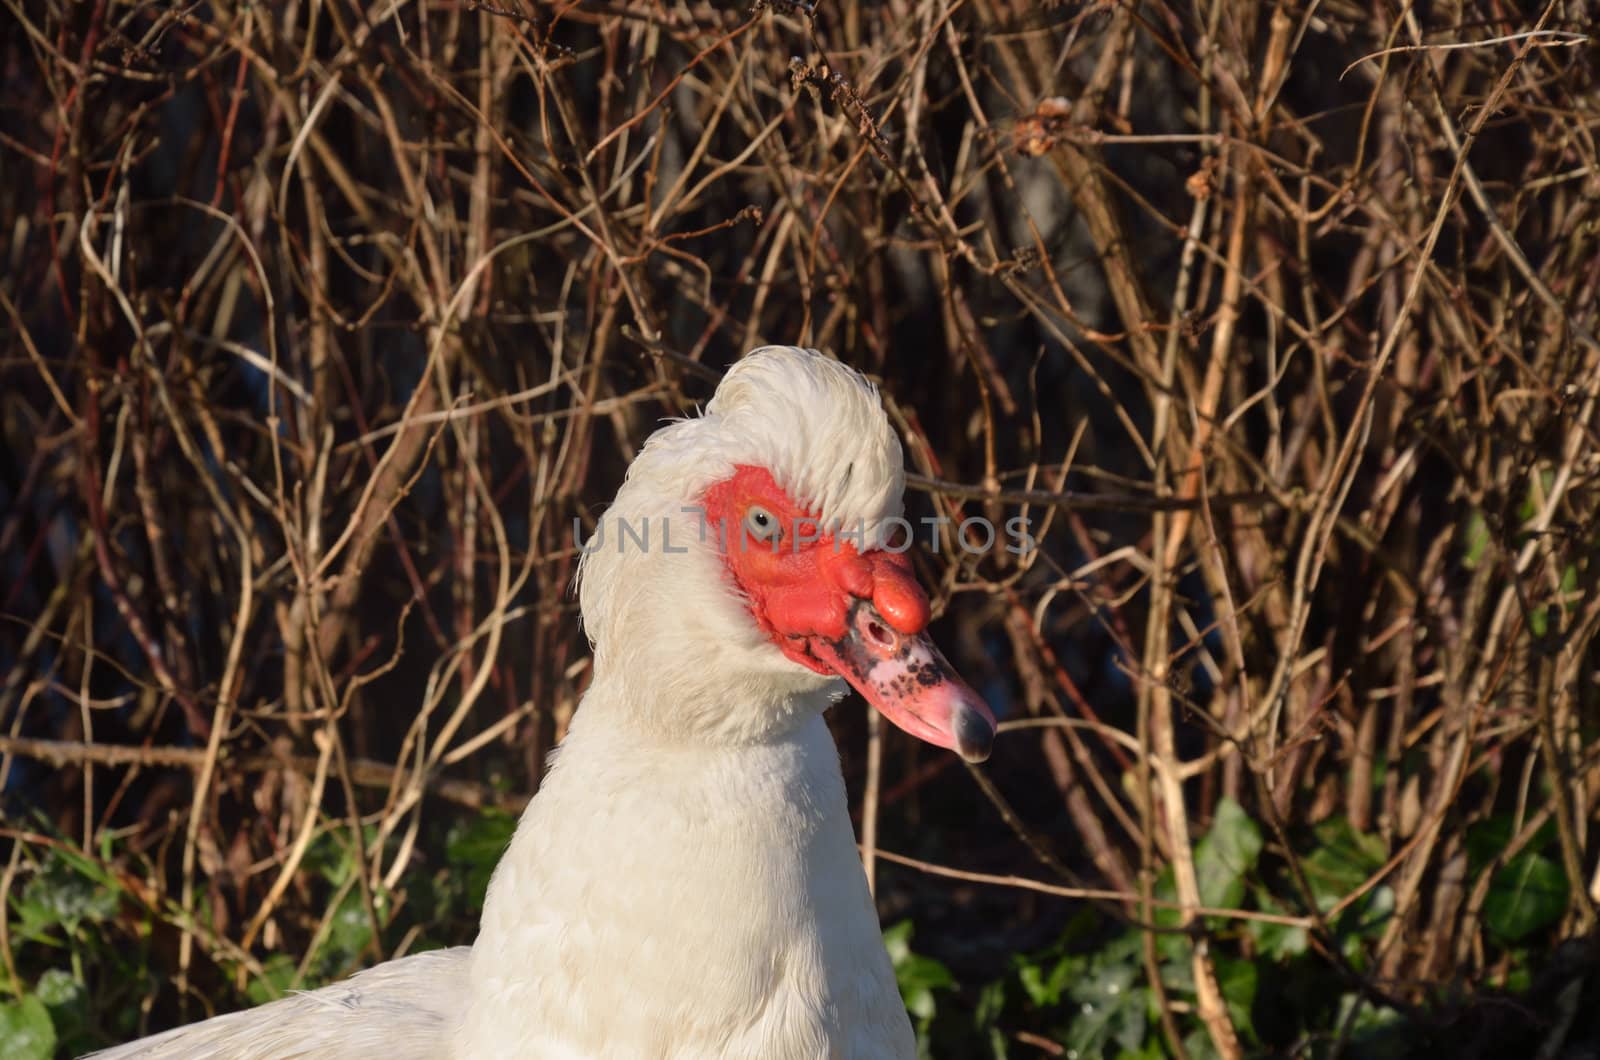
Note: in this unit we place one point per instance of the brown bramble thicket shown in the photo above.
(324, 323)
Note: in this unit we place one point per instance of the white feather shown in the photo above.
(686, 883)
(407, 1009)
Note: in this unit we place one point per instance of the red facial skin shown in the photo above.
(821, 599)
(802, 584)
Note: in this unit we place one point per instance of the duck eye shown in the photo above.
(761, 524)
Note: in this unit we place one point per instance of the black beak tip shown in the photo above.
(974, 735)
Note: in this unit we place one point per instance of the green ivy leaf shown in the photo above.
(474, 849)
(897, 940)
(348, 932)
(26, 1032)
(1381, 1033)
(1198, 1045)
(1237, 980)
(917, 976)
(1365, 919)
(1044, 988)
(1529, 893)
(1110, 1009)
(67, 1000)
(1343, 860)
(277, 972)
(1226, 855)
(60, 897)
(1278, 941)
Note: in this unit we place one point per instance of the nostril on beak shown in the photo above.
(875, 632)
(875, 635)
(879, 634)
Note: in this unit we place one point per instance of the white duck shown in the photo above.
(686, 883)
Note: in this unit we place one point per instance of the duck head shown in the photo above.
(749, 566)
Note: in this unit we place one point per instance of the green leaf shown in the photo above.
(1198, 1045)
(67, 1000)
(917, 976)
(924, 973)
(1519, 977)
(61, 896)
(1529, 893)
(1110, 1009)
(1380, 1033)
(57, 988)
(277, 972)
(1226, 855)
(1237, 980)
(331, 857)
(1044, 987)
(897, 940)
(1488, 837)
(1278, 941)
(1476, 538)
(475, 846)
(1342, 861)
(26, 1032)
(1539, 621)
(1172, 947)
(349, 932)
(991, 1004)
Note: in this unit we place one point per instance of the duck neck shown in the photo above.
(659, 796)
(681, 861)
(681, 704)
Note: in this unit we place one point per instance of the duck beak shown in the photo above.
(843, 612)
(909, 681)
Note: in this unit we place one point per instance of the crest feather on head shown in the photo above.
(820, 428)
(817, 425)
